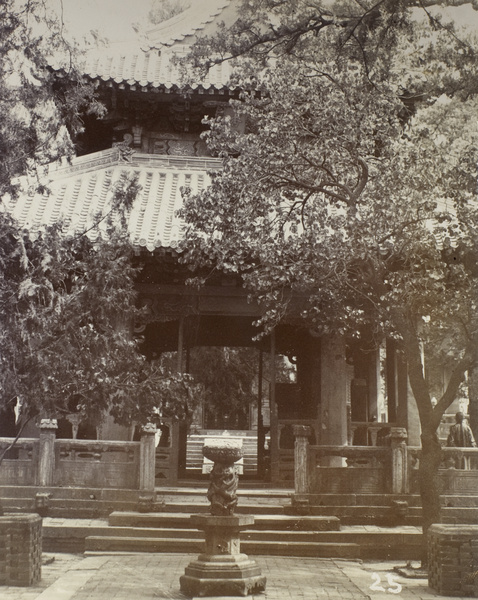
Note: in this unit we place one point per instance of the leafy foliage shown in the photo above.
(349, 180)
(40, 113)
(266, 27)
(227, 375)
(68, 305)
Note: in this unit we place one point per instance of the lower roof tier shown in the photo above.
(81, 192)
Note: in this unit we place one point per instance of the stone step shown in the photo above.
(246, 450)
(97, 544)
(241, 508)
(385, 499)
(67, 508)
(86, 503)
(260, 493)
(266, 522)
(270, 535)
(364, 538)
(141, 544)
(255, 499)
(361, 515)
(201, 499)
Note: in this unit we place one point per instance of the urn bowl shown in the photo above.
(222, 451)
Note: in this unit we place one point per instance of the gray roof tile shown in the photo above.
(81, 192)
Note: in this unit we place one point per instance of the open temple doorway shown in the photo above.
(234, 404)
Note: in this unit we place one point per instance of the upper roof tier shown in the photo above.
(80, 194)
(149, 63)
(199, 20)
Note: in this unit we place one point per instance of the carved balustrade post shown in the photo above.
(147, 458)
(46, 459)
(398, 438)
(301, 474)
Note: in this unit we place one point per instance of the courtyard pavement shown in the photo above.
(153, 576)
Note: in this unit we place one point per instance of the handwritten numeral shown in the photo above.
(393, 586)
(376, 587)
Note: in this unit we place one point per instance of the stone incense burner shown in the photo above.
(222, 570)
(222, 493)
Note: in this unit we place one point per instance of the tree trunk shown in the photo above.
(9, 447)
(473, 405)
(430, 459)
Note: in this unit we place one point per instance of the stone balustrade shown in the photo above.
(383, 469)
(47, 462)
(452, 458)
(20, 465)
(355, 469)
(393, 468)
(92, 463)
(458, 471)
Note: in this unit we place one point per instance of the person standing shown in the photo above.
(461, 436)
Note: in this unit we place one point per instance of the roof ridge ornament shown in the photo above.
(124, 147)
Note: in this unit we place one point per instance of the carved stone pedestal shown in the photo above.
(222, 570)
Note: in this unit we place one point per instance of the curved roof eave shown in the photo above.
(79, 195)
(198, 19)
(151, 63)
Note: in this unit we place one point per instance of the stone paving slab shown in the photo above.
(156, 576)
(54, 567)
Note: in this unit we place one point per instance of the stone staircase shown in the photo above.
(335, 525)
(194, 456)
(383, 509)
(350, 509)
(273, 532)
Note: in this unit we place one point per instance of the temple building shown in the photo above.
(347, 393)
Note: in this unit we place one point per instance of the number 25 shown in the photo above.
(393, 586)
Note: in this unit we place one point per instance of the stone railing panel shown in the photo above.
(365, 469)
(167, 453)
(20, 465)
(89, 463)
(458, 472)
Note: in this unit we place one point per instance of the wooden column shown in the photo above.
(274, 417)
(260, 420)
(333, 396)
(180, 364)
(392, 384)
(174, 455)
(46, 461)
(177, 448)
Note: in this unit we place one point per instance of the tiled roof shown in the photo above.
(83, 190)
(191, 23)
(147, 69)
(150, 63)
